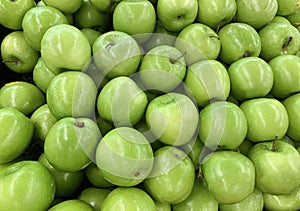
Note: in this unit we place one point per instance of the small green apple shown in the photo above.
(287, 7)
(72, 205)
(292, 105)
(103, 5)
(95, 177)
(94, 196)
(65, 6)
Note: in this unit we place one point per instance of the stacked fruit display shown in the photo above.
(150, 105)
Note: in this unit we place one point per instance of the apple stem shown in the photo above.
(109, 45)
(79, 124)
(173, 61)
(213, 36)
(274, 147)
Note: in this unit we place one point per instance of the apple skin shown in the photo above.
(37, 21)
(287, 7)
(17, 54)
(250, 77)
(277, 165)
(72, 205)
(103, 5)
(286, 73)
(94, 196)
(65, 6)
(128, 198)
(267, 118)
(292, 105)
(26, 185)
(162, 206)
(91, 34)
(95, 177)
(172, 176)
(16, 134)
(238, 40)
(219, 172)
(176, 14)
(12, 13)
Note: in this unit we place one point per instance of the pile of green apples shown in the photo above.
(150, 105)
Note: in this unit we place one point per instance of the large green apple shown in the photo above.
(292, 105)
(287, 7)
(65, 6)
(238, 40)
(220, 169)
(95, 177)
(94, 196)
(128, 198)
(277, 167)
(267, 118)
(17, 54)
(15, 135)
(250, 77)
(172, 177)
(72, 205)
(26, 185)
(207, 80)
(38, 20)
(173, 118)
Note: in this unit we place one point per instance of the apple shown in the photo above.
(172, 177)
(222, 124)
(280, 19)
(199, 199)
(245, 146)
(294, 18)
(267, 118)
(277, 165)
(65, 6)
(176, 14)
(207, 80)
(287, 7)
(255, 12)
(91, 34)
(216, 13)
(67, 42)
(238, 40)
(94, 196)
(12, 12)
(95, 176)
(162, 206)
(24, 96)
(104, 126)
(122, 102)
(286, 74)
(113, 56)
(26, 185)
(104, 5)
(277, 39)
(165, 66)
(16, 133)
(71, 142)
(72, 94)
(72, 205)
(17, 54)
(219, 170)
(124, 156)
(172, 118)
(198, 42)
(250, 77)
(292, 105)
(128, 198)
(66, 183)
(38, 20)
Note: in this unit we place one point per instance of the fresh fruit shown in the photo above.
(292, 105)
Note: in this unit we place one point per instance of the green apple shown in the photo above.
(112, 54)
(72, 205)
(95, 177)
(220, 173)
(17, 54)
(91, 34)
(280, 19)
(198, 42)
(238, 40)
(162, 206)
(207, 80)
(72, 93)
(26, 185)
(256, 13)
(124, 156)
(250, 77)
(128, 198)
(287, 7)
(104, 126)
(65, 6)
(176, 14)
(294, 18)
(122, 102)
(286, 73)
(165, 66)
(277, 39)
(66, 183)
(253, 202)
(104, 5)
(277, 167)
(12, 12)
(222, 124)
(38, 20)
(71, 142)
(173, 118)
(94, 196)
(200, 199)
(24, 96)
(96, 74)
(16, 133)
(64, 46)
(87, 16)
(267, 118)
(245, 146)
(216, 13)
(290, 201)
(172, 177)
(292, 105)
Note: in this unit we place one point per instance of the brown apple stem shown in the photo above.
(274, 147)
(173, 61)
